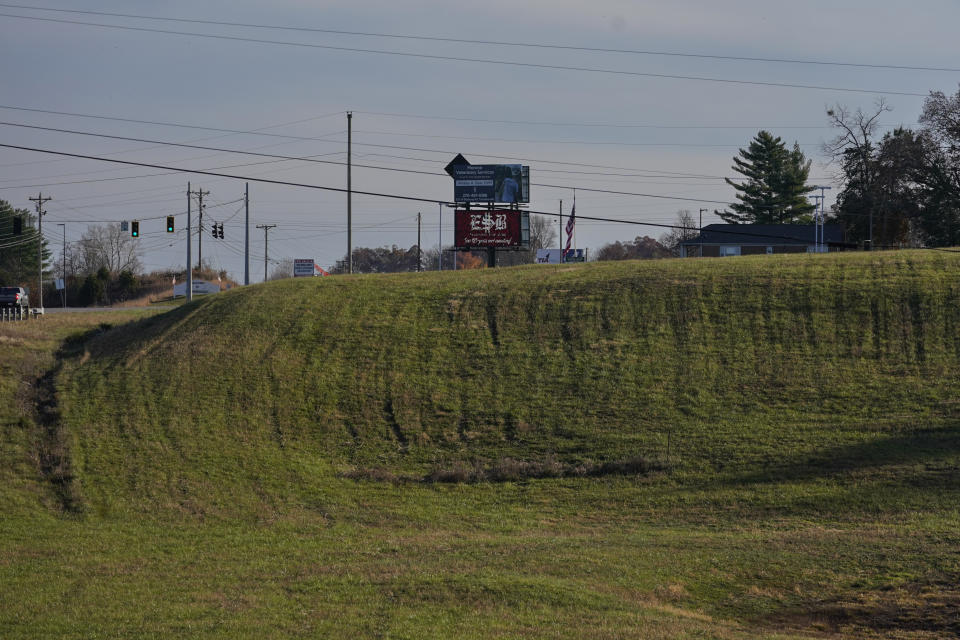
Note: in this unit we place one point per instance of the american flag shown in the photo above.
(570, 223)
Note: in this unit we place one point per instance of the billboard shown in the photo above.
(302, 267)
(497, 228)
(505, 183)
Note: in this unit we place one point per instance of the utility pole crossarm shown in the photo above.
(40, 200)
(266, 240)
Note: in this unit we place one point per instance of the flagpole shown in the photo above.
(574, 227)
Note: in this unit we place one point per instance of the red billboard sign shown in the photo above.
(485, 228)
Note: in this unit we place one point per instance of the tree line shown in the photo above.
(896, 190)
(901, 189)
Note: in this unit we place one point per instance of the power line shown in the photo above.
(326, 138)
(583, 124)
(217, 174)
(572, 142)
(310, 186)
(651, 173)
(387, 195)
(294, 158)
(148, 175)
(508, 63)
(259, 132)
(498, 43)
(252, 132)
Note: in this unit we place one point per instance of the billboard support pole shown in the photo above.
(491, 251)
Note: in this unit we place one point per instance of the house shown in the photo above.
(718, 240)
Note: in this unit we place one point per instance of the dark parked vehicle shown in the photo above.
(14, 297)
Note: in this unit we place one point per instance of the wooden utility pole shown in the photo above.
(189, 294)
(266, 228)
(349, 193)
(39, 200)
(419, 253)
(200, 193)
(246, 241)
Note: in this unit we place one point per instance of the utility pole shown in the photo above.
(419, 253)
(560, 244)
(823, 217)
(39, 200)
(200, 194)
(700, 230)
(816, 223)
(349, 192)
(189, 295)
(63, 264)
(246, 241)
(266, 228)
(440, 246)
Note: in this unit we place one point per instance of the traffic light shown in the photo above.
(213, 229)
(17, 225)
(221, 231)
(135, 228)
(169, 224)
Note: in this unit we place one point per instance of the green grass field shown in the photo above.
(733, 448)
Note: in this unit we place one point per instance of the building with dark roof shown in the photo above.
(718, 240)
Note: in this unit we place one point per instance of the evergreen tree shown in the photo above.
(775, 188)
(18, 253)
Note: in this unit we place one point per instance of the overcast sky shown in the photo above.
(584, 120)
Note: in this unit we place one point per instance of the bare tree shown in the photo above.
(282, 269)
(543, 234)
(104, 246)
(685, 229)
(941, 117)
(853, 148)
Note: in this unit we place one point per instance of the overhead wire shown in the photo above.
(304, 159)
(497, 43)
(398, 196)
(295, 184)
(508, 63)
(326, 139)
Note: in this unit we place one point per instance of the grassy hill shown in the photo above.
(698, 448)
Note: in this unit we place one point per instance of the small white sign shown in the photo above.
(199, 286)
(59, 284)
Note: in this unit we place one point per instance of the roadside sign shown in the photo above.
(502, 183)
(498, 228)
(303, 267)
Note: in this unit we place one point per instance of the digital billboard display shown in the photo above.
(498, 228)
(502, 183)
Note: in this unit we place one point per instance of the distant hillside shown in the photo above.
(756, 367)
